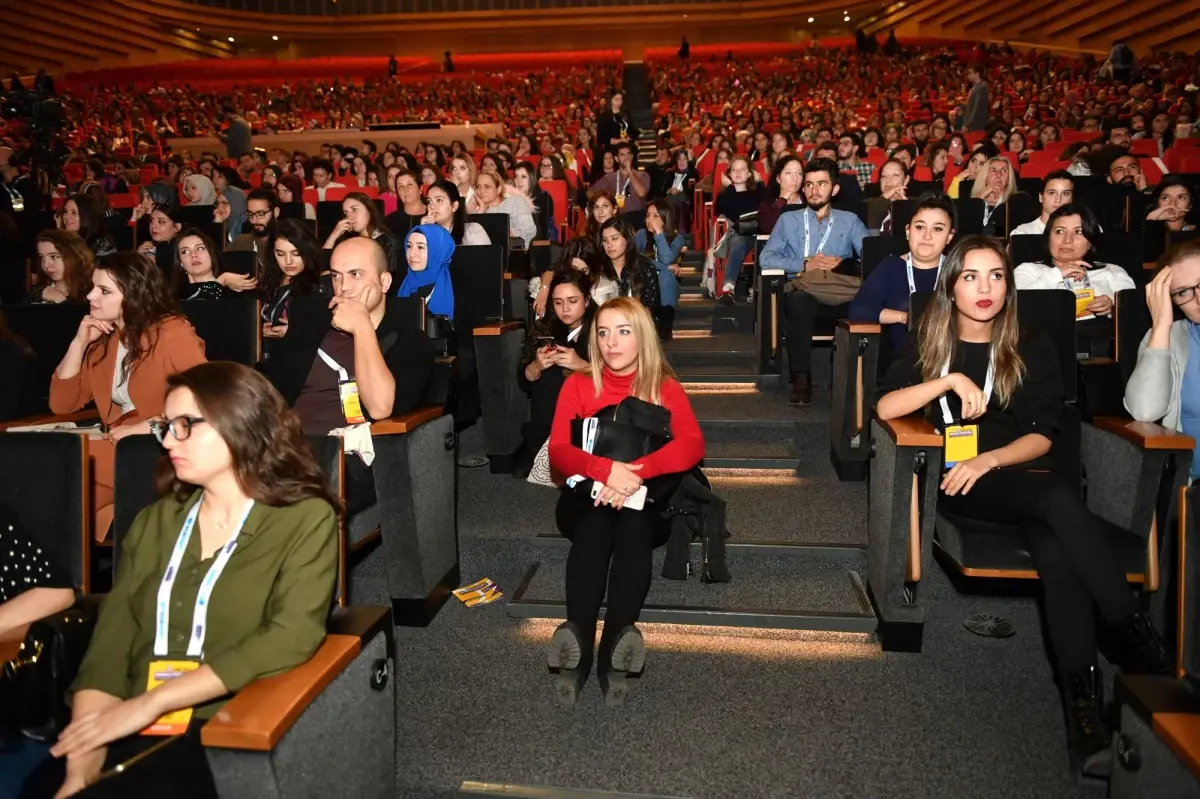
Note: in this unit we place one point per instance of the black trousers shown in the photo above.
(179, 769)
(543, 399)
(1079, 571)
(801, 311)
(360, 484)
(610, 557)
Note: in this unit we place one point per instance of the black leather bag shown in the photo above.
(44, 669)
(625, 432)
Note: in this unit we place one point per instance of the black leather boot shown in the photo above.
(625, 659)
(570, 658)
(801, 389)
(1138, 648)
(1088, 739)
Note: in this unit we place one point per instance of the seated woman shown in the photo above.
(884, 295)
(81, 215)
(266, 612)
(132, 338)
(1165, 385)
(462, 174)
(428, 250)
(995, 182)
(164, 222)
(445, 207)
(492, 196)
(410, 206)
(675, 185)
(602, 206)
(294, 271)
(969, 337)
(743, 196)
(290, 189)
(611, 545)
(663, 247)
(199, 190)
(893, 185)
(525, 183)
(65, 266)
(973, 168)
(197, 267)
(362, 217)
(782, 190)
(557, 345)
(1071, 237)
(1173, 203)
(634, 275)
(230, 210)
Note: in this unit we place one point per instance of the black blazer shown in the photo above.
(406, 350)
(608, 127)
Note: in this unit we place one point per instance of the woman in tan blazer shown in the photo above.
(131, 341)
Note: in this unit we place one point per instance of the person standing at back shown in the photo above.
(975, 117)
(237, 138)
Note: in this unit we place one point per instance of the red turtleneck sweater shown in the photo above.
(577, 400)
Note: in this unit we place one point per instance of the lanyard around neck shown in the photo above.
(200, 613)
(988, 383)
(824, 238)
(912, 283)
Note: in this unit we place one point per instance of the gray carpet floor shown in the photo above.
(726, 712)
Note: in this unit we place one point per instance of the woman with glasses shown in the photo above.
(244, 504)
(1165, 385)
(130, 340)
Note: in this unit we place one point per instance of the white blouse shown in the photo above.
(120, 388)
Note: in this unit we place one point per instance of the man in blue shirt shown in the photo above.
(819, 237)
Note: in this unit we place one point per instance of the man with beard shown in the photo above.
(848, 147)
(1123, 168)
(819, 237)
(262, 209)
(920, 135)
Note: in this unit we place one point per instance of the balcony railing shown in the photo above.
(351, 7)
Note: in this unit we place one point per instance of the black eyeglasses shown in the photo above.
(1185, 295)
(180, 427)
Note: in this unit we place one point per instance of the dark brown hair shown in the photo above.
(77, 259)
(272, 460)
(146, 303)
(179, 275)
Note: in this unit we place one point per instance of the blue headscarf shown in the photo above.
(440, 249)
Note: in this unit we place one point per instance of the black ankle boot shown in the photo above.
(1087, 737)
(1138, 648)
(624, 659)
(570, 658)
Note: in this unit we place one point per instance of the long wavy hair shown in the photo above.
(652, 366)
(77, 258)
(664, 213)
(632, 256)
(146, 303)
(937, 334)
(179, 277)
(271, 458)
(299, 235)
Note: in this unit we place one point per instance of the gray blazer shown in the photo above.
(977, 112)
(1152, 394)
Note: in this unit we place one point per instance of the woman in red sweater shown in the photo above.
(611, 545)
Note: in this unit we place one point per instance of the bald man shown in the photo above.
(354, 361)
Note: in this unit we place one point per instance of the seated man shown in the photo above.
(354, 363)
(1057, 190)
(628, 184)
(818, 237)
(262, 209)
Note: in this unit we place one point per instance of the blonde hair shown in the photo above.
(751, 181)
(470, 162)
(652, 366)
(981, 180)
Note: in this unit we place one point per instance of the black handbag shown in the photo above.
(42, 672)
(625, 432)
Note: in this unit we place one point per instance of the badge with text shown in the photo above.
(161, 671)
(962, 443)
(351, 405)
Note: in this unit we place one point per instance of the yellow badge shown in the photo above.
(351, 406)
(962, 443)
(1083, 298)
(620, 201)
(161, 671)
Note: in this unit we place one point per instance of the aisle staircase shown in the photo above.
(637, 100)
(796, 553)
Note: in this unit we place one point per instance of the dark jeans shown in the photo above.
(1078, 570)
(801, 311)
(610, 557)
(178, 770)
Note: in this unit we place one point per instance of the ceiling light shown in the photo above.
(274, 38)
(231, 38)
(846, 18)
(810, 19)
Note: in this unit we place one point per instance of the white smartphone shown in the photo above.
(635, 502)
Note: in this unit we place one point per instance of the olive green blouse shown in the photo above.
(268, 609)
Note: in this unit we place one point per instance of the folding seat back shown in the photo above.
(196, 215)
(477, 274)
(557, 189)
(329, 213)
(498, 230)
(877, 248)
(241, 262)
(970, 215)
(1027, 248)
(1124, 250)
(48, 330)
(1022, 207)
(292, 210)
(230, 328)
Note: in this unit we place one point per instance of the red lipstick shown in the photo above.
(983, 304)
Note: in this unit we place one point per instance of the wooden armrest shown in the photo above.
(498, 329)
(406, 423)
(911, 431)
(262, 712)
(540, 243)
(508, 275)
(10, 642)
(860, 328)
(1181, 732)
(1146, 435)
(53, 418)
(1149, 265)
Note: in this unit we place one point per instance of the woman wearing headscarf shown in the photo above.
(230, 208)
(428, 250)
(199, 190)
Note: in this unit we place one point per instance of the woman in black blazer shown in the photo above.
(614, 125)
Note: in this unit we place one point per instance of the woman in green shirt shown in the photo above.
(245, 518)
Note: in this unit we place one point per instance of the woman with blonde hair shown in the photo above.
(995, 182)
(968, 337)
(494, 196)
(611, 544)
(462, 173)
